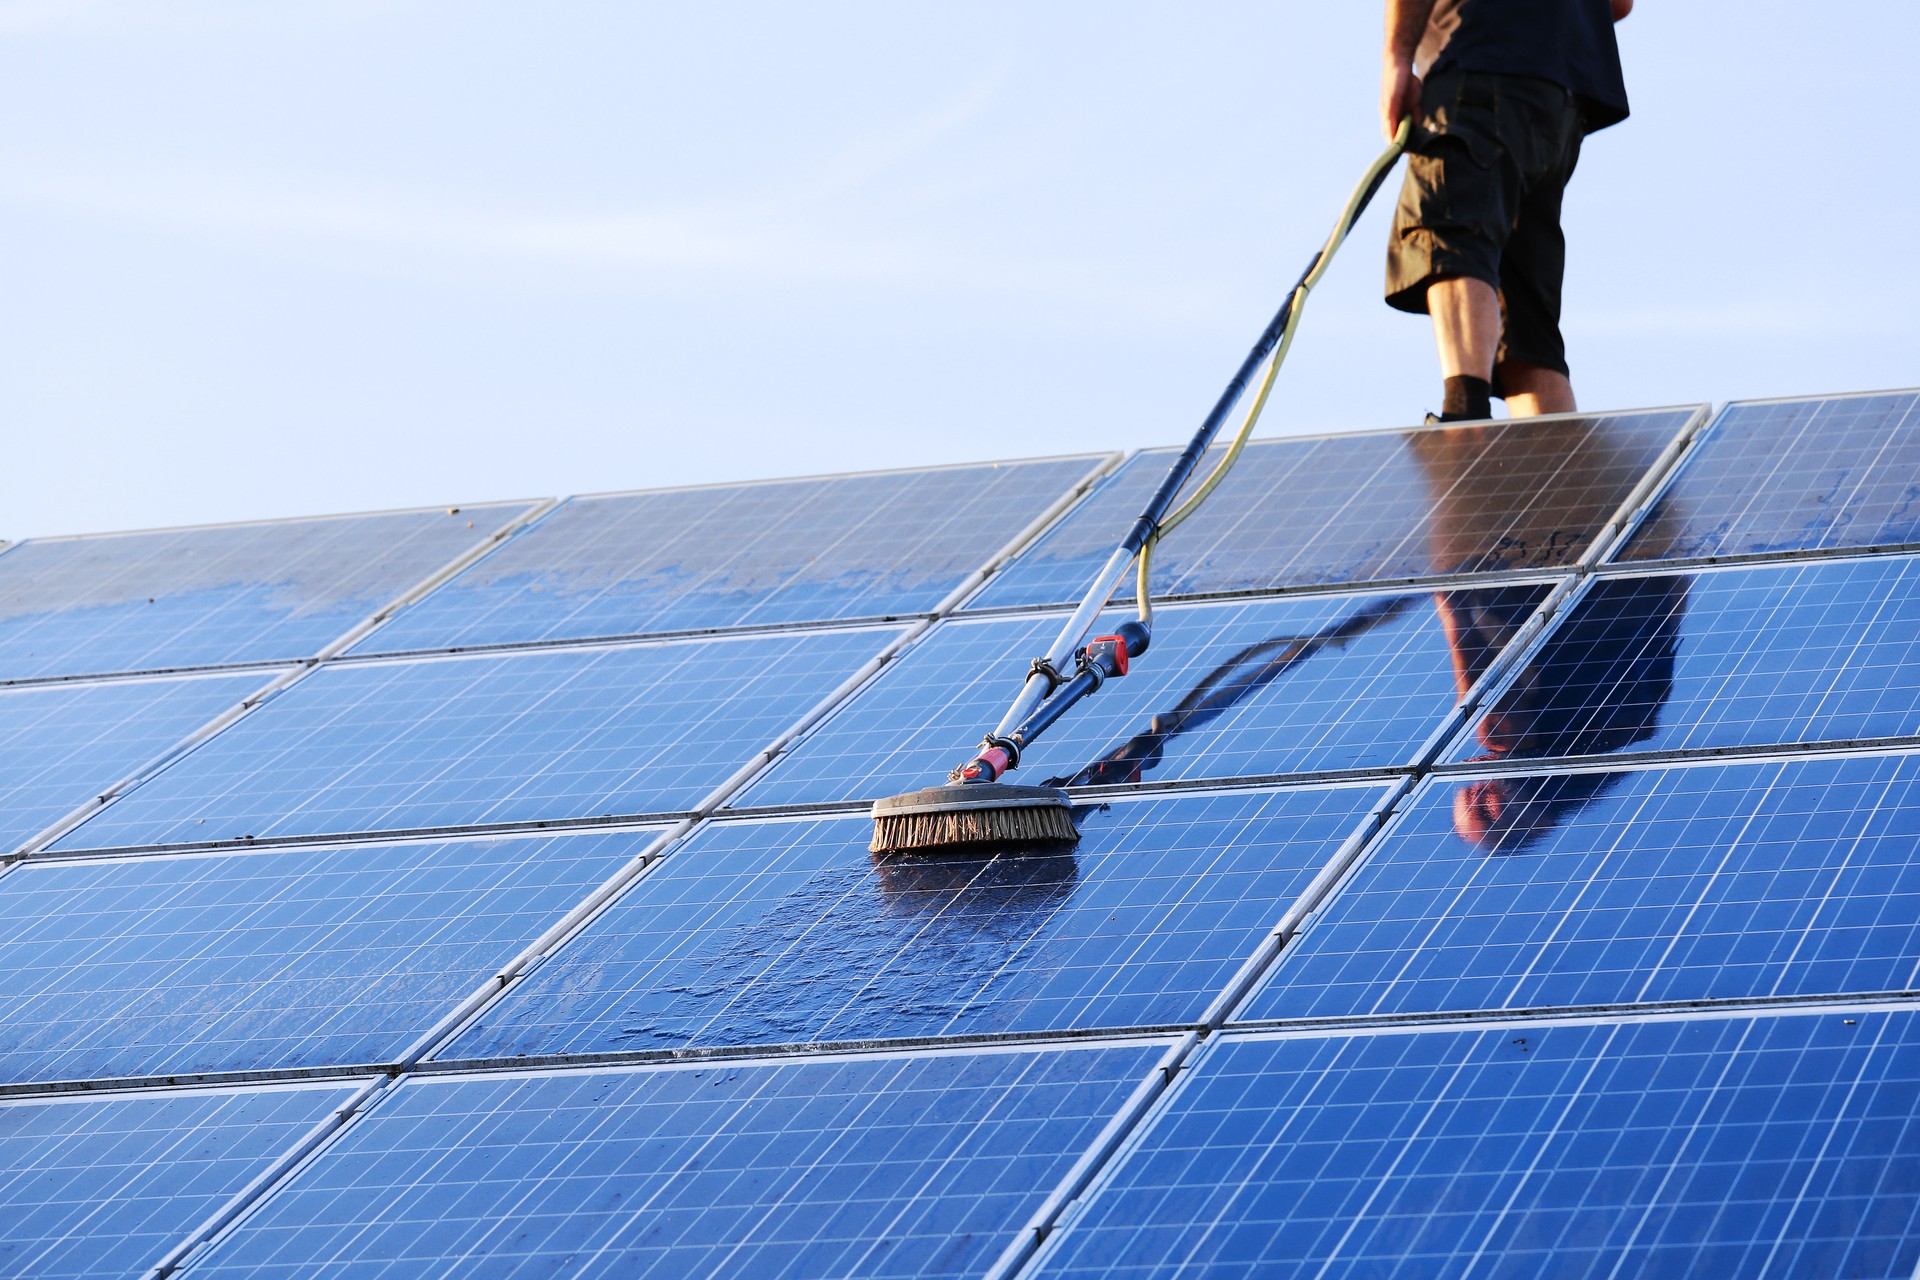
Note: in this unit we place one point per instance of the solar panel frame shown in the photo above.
(1627, 550)
(846, 657)
(174, 1178)
(226, 695)
(1139, 473)
(255, 963)
(731, 1143)
(1507, 923)
(1714, 691)
(1120, 1194)
(887, 748)
(404, 634)
(997, 912)
(426, 571)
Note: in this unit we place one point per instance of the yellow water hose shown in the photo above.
(1362, 192)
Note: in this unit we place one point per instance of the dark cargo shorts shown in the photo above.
(1487, 164)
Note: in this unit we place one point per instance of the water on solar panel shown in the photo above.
(96, 1186)
(1753, 1147)
(167, 966)
(1514, 495)
(1238, 689)
(531, 736)
(789, 931)
(61, 745)
(871, 1166)
(232, 593)
(1789, 475)
(1804, 652)
(837, 547)
(1783, 878)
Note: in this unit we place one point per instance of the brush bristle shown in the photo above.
(1036, 824)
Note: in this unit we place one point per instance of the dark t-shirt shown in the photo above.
(1569, 42)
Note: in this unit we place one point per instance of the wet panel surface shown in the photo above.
(1811, 652)
(1364, 508)
(62, 745)
(875, 1167)
(572, 733)
(237, 593)
(254, 961)
(739, 555)
(784, 932)
(1820, 473)
(94, 1186)
(1227, 690)
(1776, 1148)
(1796, 878)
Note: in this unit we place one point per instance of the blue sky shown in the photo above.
(270, 260)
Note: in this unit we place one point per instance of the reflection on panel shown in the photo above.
(237, 593)
(872, 1167)
(1775, 879)
(1365, 508)
(1825, 650)
(782, 932)
(252, 961)
(1227, 690)
(571, 733)
(740, 555)
(1768, 1147)
(62, 745)
(93, 1186)
(1794, 475)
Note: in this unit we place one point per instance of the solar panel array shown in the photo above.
(1505, 861)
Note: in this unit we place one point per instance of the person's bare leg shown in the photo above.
(1466, 326)
(1533, 390)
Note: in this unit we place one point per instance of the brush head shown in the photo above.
(966, 815)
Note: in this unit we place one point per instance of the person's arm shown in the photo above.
(1399, 87)
(1621, 8)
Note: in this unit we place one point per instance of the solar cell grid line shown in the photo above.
(1371, 507)
(196, 965)
(537, 736)
(1812, 474)
(788, 932)
(1754, 656)
(876, 1165)
(1789, 878)
(219, 594)
(558, 934)
(877, 545)
(63, 745)
(1289, 685)
(1767, 1147)
(102, 1184)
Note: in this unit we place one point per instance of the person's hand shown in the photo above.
(1399, 95)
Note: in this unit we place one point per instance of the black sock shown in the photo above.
(1467, 399)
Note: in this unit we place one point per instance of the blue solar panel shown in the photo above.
(235, 593)
(1227, 690)
(61, 745)
(166, 966)
(872, 1167)
(1792, 475)
(1770, 1147)
(1802, 652)
(740, 555)
(552, 734)
(1365, 508)
(1789, 878)
(98, 1186)
(788, 931)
